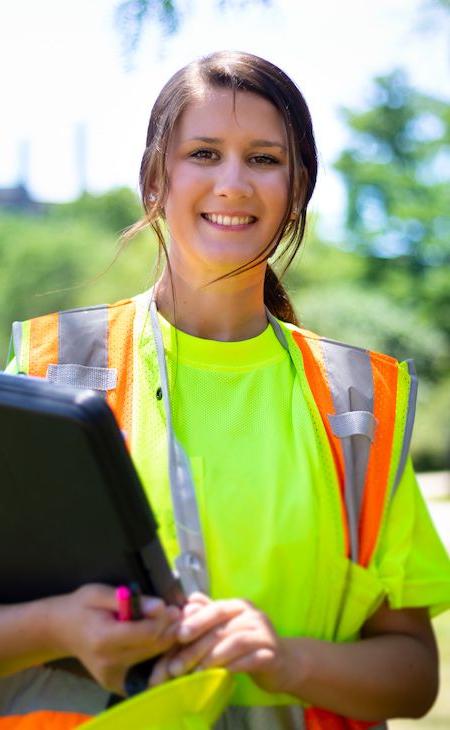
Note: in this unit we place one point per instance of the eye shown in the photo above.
(204, 154)
(265, 159)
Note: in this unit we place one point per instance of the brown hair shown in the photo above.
(238, 72)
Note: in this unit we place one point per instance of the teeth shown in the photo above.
(226, 220)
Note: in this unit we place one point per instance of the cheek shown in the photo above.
(277, 192)
(186, 182)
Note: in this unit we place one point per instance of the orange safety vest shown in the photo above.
(366, 401)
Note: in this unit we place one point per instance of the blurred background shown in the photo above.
(77, 85)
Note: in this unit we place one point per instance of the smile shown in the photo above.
(227, 220)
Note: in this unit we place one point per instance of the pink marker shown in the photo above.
(123, 598)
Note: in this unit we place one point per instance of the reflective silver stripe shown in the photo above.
(191, 563)
(353, 423)
(80, 376)
(17, 342)
(350, 379)
(277, 329)
(411, 410)
(83, 337)
(273, 717)
(45, 688)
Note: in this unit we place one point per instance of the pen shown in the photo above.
(124, 604)
(129, 609)
(135, 601)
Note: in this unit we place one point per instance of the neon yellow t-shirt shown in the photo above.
(241, 415)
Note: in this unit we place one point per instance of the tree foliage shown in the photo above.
(397, 173)
(67, 258)
(133, 15)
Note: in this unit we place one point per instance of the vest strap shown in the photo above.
(191, 563)
(82, 376)
(353, 423)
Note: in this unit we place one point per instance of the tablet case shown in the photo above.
(72, 508)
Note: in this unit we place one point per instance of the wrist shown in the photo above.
(26, 636)
(54, 619)
(296, 665)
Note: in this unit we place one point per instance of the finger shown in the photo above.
(188, 657)
(190, 608)
(160, 672)
(232, 647)
(169, 636)
(195, 601)
(198, 597)
(143, 636)
(151, 606)
(97, 595)
(207, 617)
(256, 661)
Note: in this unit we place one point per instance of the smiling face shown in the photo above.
(228, 182)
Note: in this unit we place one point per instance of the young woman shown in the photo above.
(310, 559)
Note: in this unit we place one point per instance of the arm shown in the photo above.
(83, 624)
(25, 635)
(390, 672)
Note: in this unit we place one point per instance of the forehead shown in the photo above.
(219, 113)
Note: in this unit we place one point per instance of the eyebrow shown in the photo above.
(253, 143)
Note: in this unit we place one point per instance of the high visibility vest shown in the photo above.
(364, 402)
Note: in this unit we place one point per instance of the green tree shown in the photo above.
(112, 211)
(397, 172)
(69, 258)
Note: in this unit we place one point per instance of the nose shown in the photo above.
(233, 180)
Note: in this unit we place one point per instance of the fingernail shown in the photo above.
(149, 605)
(173, 613)
(184, 632)
(176, 668)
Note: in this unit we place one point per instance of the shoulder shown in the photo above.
(48, 323)
(72, 335)
(305, 338)
(353, 378)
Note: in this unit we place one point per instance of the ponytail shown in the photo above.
(276, 298)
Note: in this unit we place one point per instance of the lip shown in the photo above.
(230, 213)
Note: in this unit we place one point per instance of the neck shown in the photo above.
(228, 310)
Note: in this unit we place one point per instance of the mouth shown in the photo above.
(233, 222)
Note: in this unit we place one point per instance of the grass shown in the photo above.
(439, 716)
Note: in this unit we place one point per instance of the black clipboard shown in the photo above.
(72, 508)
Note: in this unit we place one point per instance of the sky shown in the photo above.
(63, 69)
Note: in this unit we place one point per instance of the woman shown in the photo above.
(320, 591)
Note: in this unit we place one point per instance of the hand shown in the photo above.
(84, 625)
(231, 634)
